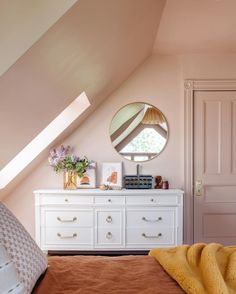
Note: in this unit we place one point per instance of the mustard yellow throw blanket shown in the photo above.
(200, 268)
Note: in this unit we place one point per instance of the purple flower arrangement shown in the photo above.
(62, 160)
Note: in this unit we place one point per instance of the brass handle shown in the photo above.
(151, 237)
(109, 219)
(109, 235)
(198, 188)
(67, 220)
(67, 237)
(151, 220)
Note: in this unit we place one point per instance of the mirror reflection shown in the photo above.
(139, 131)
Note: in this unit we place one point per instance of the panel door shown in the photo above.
(215, 166)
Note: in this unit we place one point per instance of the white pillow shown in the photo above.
(9, 279)
(28, 259)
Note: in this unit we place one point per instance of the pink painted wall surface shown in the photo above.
(158, 81)
(75, 55)
(209, 66)
(203, 26)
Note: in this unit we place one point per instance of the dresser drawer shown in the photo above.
(148, 217)
(114, 200)
(109, 236)
(66, 199)
(151, 236)
(152, 200)
(109, 218)
(67, 218)
(91, 219)
(57, 236)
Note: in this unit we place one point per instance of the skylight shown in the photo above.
(43, 139)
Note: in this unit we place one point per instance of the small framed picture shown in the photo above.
(88, 180)
(112, 174)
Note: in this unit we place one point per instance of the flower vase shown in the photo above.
(70, 180)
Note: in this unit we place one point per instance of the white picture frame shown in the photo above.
(112, 174)
(88, 181)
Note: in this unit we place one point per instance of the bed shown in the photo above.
(198, 268)
(25, 269)
(99, 274)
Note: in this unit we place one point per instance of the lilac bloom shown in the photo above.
(61, 159)
(58, 155)
(74, 158)
(62, 152)
(91, 164)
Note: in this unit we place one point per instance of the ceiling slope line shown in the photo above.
(26, 27)
(43, 139)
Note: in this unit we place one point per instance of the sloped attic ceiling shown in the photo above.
(23, 22)
(94, 47)
(197, 26)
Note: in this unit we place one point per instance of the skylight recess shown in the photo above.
(43, 139)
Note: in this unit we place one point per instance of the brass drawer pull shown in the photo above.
(151, 220)
(67, 220)
(109, 235)
(67, 237)
(151, 237)
(109, 219)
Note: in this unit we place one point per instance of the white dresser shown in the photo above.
(95, 220)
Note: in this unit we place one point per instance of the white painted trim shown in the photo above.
(87, 192)
(190, 86)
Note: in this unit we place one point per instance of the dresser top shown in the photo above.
(109, 192)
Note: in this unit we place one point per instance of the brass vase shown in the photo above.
(70, 180)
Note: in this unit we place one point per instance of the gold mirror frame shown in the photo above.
(131, 124)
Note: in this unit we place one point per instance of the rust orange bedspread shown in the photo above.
(103, 275)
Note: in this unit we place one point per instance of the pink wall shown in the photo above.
(75, 55)
(209, 66)
(158, 81)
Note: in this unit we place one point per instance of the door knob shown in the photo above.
(198, 188)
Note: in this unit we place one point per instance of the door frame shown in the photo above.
(190, 86)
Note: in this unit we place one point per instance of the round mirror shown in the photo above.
(139, 131)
